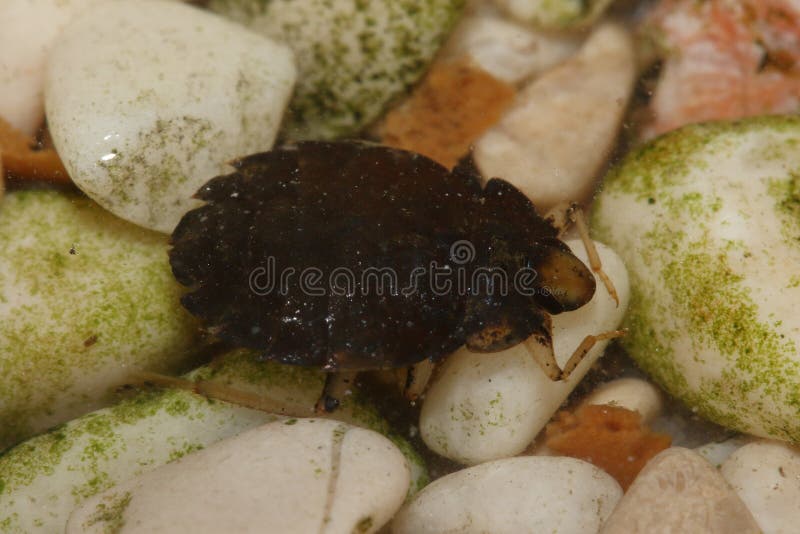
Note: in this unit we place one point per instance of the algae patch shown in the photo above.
(111, 514)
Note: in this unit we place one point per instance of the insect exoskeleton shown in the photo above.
(351, 256)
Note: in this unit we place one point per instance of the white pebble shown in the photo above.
(147, 100)
(488, 406)
(508, 50)
(516, 495)
(29, 29)
(556, 137)
(678, 491)
(292, 477)
(766, 475)
(632, 393)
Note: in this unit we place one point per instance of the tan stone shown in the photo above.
(680, 492)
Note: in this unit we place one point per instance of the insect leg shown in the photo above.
(585, 346)
(414, 379)
(336, 386)
(222, 392)
(540, 346)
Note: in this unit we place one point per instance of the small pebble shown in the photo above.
(631, 393)
(507, 50)
(679, 491)
(488, 406)
(147, 100)
(766, 475)
(528, 494)
(294, 477)
(555, 139)
(29, 28)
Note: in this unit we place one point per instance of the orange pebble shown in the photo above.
(612, 438)
(451, 108)
(22, 160)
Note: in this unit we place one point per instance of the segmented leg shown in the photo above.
(216, 391)
(584, 348)
(540, 346)
(414, 379)
(336, 386)
(575, 215)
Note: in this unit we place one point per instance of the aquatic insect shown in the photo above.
(351, 256)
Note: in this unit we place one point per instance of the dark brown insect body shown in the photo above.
(404, 260)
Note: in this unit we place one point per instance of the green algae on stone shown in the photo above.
(706, 220)
(112, 514)
(86, 298)
(93, 453)
(353, 57)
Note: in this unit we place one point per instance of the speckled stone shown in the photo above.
(147, 100)
(84, 299)
(706, 220)
(353, 56)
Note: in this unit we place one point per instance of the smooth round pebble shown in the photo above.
(706, 220)
(147, 100)
(353, 56)
(29, 29)
(488, 406)
(632, 393)
(560, 131)
(516, 495)
(679, 491)
(766, 475)
(293, 477)
(85, 299)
